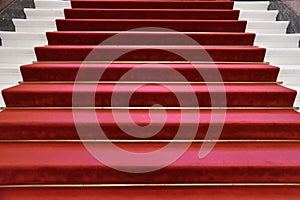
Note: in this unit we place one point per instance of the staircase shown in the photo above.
(150, 113)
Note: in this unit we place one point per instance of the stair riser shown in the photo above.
(90, 38)
(152, 5)
(148, 95)
(151, 14)
(103, 53)
(34, 73)
(116, 25)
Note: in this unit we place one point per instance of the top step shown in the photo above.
(207, 4)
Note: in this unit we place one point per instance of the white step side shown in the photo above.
(283, 56)
(277, 40)
(258, 15)
(10, 55)
(44, 13)
(9, 68)
(251, 5)
(277, 27)
(50, 4)
(289, 74)
(23, 39)
(34, 25)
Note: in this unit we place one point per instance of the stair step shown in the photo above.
(283, 56)
(151, 72)
(50, 4)
(258, 15)
(277, 40)
(34, 25)
(226, 163)
(59, 124)
(44, 13)
(251, 5)
(203, 14)
(8, 55)
(149, 38)
(153, 4)
(277, 27)
(126, 24)
(22, 39)
(68, 94)
(149, 193)
(150, 53)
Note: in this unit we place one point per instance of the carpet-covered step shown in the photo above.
(50, 4)
(149, 38)
(204, 14)
(153, 4)
(258, 15)
(150, 72)
(139, 95)
(251, 5)
(22, 39)
(72, 163)
(43, 13)
(236, 124)
(225, 192)
(267, 27)
(127, 24)
(150, 53)
(34, 25)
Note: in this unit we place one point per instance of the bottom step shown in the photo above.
(159, 193)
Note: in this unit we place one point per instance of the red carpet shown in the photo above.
(150, 72)
(256, 156)
(60, 94)
(210, 4)
(70, 163)
(149, 38)
(205, 14)
(150, 193)
(151, 53)
(126, 24)
(59, 124)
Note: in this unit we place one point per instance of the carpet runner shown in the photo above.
(42, 154)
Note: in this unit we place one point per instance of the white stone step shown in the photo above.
(277, 27)
(277, 40)
(34, 25)
(289, 74)
(10, 68)
(8, 78)
(10, 55)
(251, 5)
(52, 4)
(23, 39)
(44, 13)
(258, 15)
(283, 56)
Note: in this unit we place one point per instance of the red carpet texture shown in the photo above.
(191, 56)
